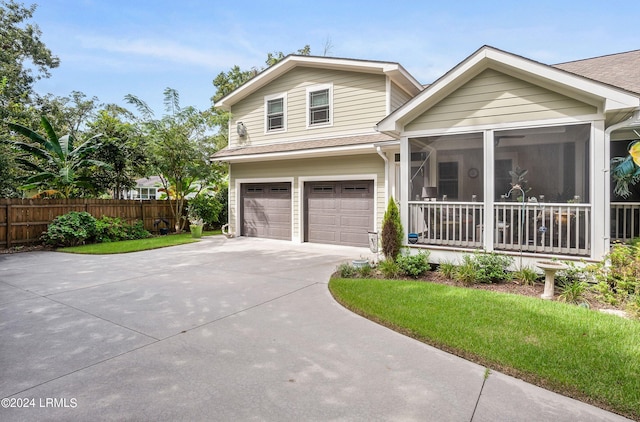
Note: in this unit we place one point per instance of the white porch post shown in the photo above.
(600, 195)
(405, 165)
(489, 189)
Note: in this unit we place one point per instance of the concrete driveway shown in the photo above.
(228, 330)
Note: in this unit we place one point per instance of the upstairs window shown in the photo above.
(275, 106)
(319, 104)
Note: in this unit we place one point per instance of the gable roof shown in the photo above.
(621, 69)
(572, 85)
(395, 71)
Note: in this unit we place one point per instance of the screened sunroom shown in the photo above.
(506, 154)
(534, 194)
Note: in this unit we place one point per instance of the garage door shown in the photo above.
(266, 210)
(339, 213)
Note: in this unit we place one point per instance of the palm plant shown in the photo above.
(57, 165)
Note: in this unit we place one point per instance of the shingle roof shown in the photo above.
(621, 70)
(302, 145)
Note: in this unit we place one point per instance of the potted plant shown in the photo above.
(195, 223)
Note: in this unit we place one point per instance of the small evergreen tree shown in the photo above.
(392, 232)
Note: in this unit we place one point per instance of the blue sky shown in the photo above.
(110, 48)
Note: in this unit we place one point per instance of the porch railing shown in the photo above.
(625, 220)
(548, 228)
(447, 223)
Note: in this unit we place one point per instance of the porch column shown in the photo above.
(405, 165)
(489, 189)
(600, 195)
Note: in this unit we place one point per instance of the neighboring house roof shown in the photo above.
(148, 182)
(621, 69)
(300, 147)
(395, 71)
(561, 81)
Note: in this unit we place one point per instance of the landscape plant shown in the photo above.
(526, 275)
(392, 231)
(114, 229)
(55, 165)
(71, 229)
(413, 265)
(447, 269)
(389, 268)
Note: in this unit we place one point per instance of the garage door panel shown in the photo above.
(339, 212)
(355, 222)
(266, 210)
(354, 238)
(323, 236)
(323, 220)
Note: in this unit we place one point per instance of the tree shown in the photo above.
(68, 114)
(122, 146)
(179, 150)
(392, 232)
(24, 58)
(56, 162)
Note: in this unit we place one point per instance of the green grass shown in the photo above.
(126, 246)
(575, 351)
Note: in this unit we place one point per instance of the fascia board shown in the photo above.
(290, 62)
(310, 153)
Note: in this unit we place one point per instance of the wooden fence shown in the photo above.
(22, 221)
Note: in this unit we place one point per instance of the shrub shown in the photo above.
(414, 265)
(71, 229)
(364, 271)
(619, 281)
(492, 267)
(389, 268)
(633, 306)
(573, 292)
(392, 232)
(346, 270)
(113, 229)
(447, 269)
(206, 208)
(467, 272)
(527, 275)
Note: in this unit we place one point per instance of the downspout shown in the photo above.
(631, 121)
(386, 174)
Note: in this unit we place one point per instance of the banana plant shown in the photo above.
(55, 162)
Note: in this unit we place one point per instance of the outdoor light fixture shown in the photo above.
(242, 130)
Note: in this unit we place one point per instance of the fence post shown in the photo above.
(8, 225)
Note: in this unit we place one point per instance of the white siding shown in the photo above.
(331, 167)
(493, 97)
(358, 101)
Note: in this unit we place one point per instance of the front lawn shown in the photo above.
(575, 351)
(126, 246)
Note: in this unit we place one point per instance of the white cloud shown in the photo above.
(165, 50)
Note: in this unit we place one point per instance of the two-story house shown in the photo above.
(501, 153)
(306, 162)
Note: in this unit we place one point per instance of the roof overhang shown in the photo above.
(394, 71)
(350, 145)
(605, 97)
